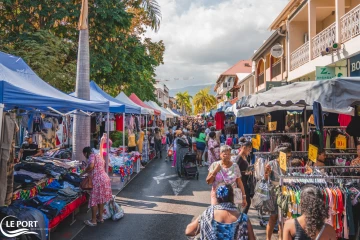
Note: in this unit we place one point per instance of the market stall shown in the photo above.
(37, 104)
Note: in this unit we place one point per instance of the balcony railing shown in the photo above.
(300, 56)
(350, 24)
(326, 38)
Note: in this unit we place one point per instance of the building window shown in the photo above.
(261, 78)
(276, 68)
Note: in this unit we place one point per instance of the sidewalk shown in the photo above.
(260, 232)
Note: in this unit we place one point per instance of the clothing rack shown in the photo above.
(321, 167)
(273, 134)
(331, 127)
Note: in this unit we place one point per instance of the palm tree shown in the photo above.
(81, 131)
(183, 100)
(204, 100)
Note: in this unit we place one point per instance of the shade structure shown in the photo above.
(21, 87)
(127, 101)
(335, 95)
(164, 114)
(170, 111)
(168, 114)
(176, 112)
(137, 100)
(96, 94)
(96, 90)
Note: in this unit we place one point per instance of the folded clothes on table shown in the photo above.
(73, 179)
(35, 176)
(68, 192)
(21, 178)
(49, 211)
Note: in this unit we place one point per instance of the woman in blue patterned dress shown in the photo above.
(222, 221)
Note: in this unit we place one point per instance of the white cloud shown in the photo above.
(203, 38)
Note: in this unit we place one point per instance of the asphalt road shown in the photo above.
(157, 208)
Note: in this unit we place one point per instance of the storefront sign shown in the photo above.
(272, 126)
(355, 66)
(313, 152)
(277, 51)
(270, 85)
(340, 142)
(283, 161)
(325, 73)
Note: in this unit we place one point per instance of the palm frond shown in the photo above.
(153, 10)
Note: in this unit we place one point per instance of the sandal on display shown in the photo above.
(89, 223)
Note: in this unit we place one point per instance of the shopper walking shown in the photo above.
(225, 172)
(242, 162)
(273, 172)
(157, 141)
(311, 224)
(101, 192)
(200, 145)
(213, 148)
(222, 221)
(182, 147)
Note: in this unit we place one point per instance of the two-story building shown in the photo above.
(226, 85)
(162, 94)
(269, 63)
(322, 38)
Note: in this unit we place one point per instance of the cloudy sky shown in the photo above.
(203, 38)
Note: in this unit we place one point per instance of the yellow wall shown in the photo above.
(328, 21)
(297, 31)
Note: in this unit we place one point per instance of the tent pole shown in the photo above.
(107, 143)
(124, 132)
(305, 128)
(1, 119)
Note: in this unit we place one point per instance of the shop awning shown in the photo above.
(21, 87)
(127, 101)
(137, 100)
(335, 95)
(97, 93)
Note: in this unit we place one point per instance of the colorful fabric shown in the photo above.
(101, 192)
(213, 144)
(27, 194)
(210, 230)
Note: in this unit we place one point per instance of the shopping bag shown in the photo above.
(106, 212)
(116, 211)
(262, 194)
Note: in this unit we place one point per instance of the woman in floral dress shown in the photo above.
(101, 192)
(225, 172)
(214, 148)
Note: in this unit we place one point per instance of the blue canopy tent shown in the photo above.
(21, 87)
(127, 101)
(176, 112)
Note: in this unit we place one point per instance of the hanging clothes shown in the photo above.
(344, 120)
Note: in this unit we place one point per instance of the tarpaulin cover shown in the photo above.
(21, 87)
(127, 101)
(334, 95)
(137, 100)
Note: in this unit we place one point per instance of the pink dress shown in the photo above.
(213, 144)
(101, 192)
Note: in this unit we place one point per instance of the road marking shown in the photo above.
(162, 177)
(178, 185)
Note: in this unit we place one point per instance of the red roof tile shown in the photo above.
(243, 66)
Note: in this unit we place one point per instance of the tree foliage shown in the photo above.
(45, 34)
(183, 101)
(203, 101)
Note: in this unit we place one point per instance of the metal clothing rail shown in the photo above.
(272, 134)
(321, 167)
(330, 127)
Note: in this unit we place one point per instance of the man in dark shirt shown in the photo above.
(29, 148)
